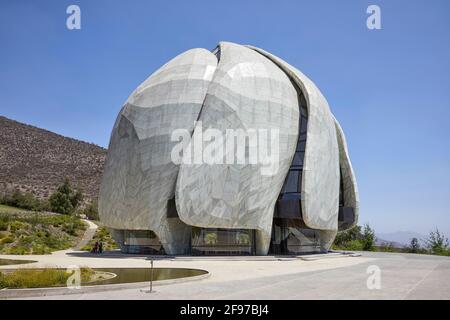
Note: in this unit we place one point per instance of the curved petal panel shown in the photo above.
(350, 189)
(140, 176)
(320, 183)
(252, 94)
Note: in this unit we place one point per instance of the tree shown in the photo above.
(368, 238)
(76, 198)
(437, 243)
(65, 200)
(414, 246)
(23, 200)
(91, 211)
(60, 202)
(345, 237)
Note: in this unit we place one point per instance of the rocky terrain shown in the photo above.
(36, 160)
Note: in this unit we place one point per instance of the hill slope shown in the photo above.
(37, 160)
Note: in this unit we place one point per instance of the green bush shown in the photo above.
(4, 221)
(102, 234)
(91, 211)
(16, 250)
(352, 234)
(15, 226)
(60, 203)
(38, 233)
(40, 249)
(355, 239)
(65, 200)
(40, 278)
(7, 240)
(27, 201)
(437, 243)
(70, 228)
(355, 245)
(368, 238)
(414, 247)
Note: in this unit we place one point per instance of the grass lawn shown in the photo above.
(40, 278)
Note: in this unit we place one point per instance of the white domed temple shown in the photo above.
(155, 204)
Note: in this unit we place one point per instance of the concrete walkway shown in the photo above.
(88, 235)
(402, 276)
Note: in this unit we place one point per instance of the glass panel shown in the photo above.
(292, 182)
(302, 137)
(141, 241)
(289, 208)
(303, 105)
(300, 174)
(210, 241)
(304, 125)
(288, 239)
(301, 145)
(140, 237)
(298, 159)
(341, 190)
(292, 196)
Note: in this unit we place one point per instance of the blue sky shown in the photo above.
(389, 88)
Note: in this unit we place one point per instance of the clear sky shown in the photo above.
(389, 88)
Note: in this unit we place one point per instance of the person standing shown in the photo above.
(95, 248)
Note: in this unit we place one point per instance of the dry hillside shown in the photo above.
(37, 160)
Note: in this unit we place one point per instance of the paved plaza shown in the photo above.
(402, 276)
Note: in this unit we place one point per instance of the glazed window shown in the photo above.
(206, 241)
(292, 182)
(288, 205)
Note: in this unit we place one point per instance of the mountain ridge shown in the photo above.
(400, 238)
(37, 160)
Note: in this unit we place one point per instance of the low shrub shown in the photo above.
(91, 211)
(65, 199)
(4, 221)
(40, 278)
(356, 238)
(102, 234)
(437, 243)
(7, 239)
(353, 245)
(34, 233)
(24, 200)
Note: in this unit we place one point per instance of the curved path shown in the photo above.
(88, 235)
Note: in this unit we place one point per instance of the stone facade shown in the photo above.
(236, 87)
